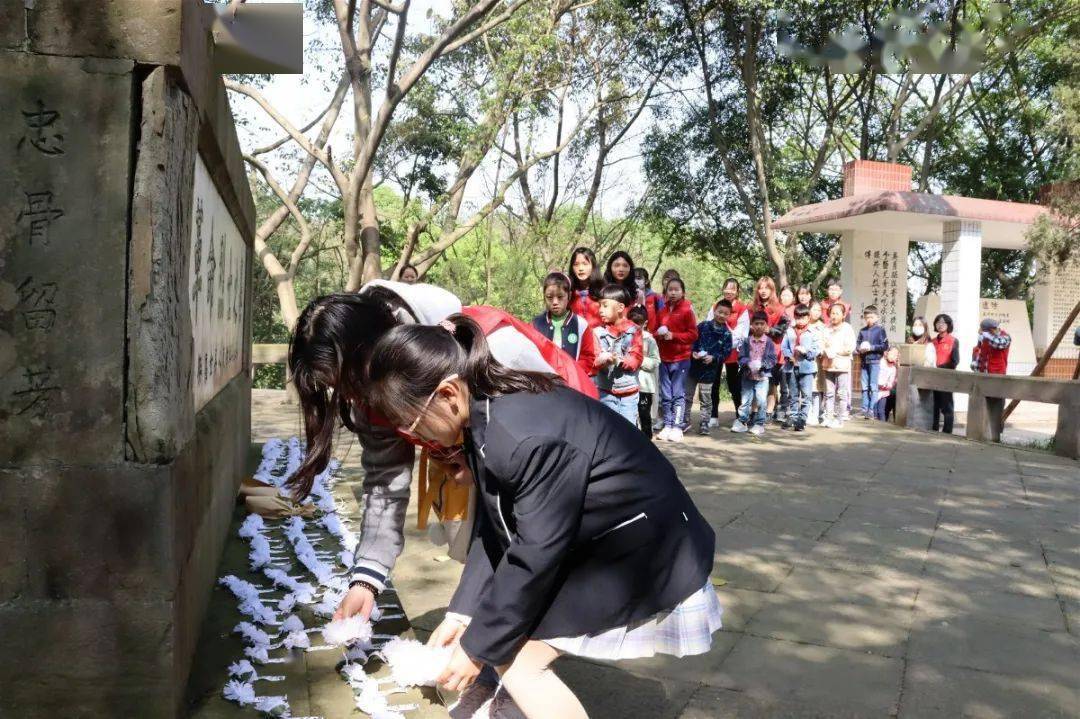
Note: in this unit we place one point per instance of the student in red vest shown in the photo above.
(586, 282)
(738, 322)
(947, 352)
(652, 301)
(834, 296)
(991, 354)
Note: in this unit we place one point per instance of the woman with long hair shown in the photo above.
(586, 542)
(586, 282)
(620, 271)
(766, 300)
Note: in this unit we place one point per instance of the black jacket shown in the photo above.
(582, 526)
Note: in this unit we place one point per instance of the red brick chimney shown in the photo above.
(862, 176)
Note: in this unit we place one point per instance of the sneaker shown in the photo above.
(474, 701)
(757, 429)
(714, 422)
(799, 427)
(504, 707)
(664, 434)
(703, 430)
(812, 422)
(739, 427)
(675, 435)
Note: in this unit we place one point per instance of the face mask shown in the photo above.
(917, 331)
(640, 282)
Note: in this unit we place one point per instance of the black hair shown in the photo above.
(801, 311)
(409, 362)
(557, 278)
(628, 283)
(834, 281)
(870, 308)
(640, 273)
(668, 276)
(724, 303)
(675, 279)
(333, 337)
(595, 281)
(617, 292)
(638, 314)
(759, 316)
(804, 288)
(732, 281)
(948, 322)
(837, 305)
(789, 288)
(409, 267)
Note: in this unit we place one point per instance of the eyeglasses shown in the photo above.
(410, 430)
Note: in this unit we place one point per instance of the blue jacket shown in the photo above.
(806, 363)
(879, 342)
(573, 330)
(717, 342)
(768, 360)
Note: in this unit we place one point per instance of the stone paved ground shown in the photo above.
(870, 572)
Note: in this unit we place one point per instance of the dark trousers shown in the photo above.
(734, 388)
(943, 411)
(645, 400)
(885, 407)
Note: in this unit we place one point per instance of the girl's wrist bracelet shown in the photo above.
(366, 585)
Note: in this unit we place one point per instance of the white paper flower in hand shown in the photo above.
(864, 347)
(662, 331)
(755, 365)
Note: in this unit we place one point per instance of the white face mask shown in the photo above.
(917, 330)
(640, 282)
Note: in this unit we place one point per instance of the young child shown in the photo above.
(710, 349)
(757, 357)
(800, 350)
(991, 354)
(586, 542)
(947, 352)
(838, 345)
(870, 344)
(648, 373)
(557, 322)
(675, 335)
(613, 354)
(890, 362)
(817, 326)
(739, 324)
(652, 301)
(835, 296)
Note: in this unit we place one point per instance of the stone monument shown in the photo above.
(126, 227)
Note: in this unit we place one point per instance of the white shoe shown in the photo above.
(739, 427)
(713, 422)
(675, 435)
(664, 435)
(757, 429)
(811, 422)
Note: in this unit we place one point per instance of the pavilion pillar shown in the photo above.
(961, 274)
(873, 269)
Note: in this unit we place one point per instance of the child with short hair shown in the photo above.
(558, 322)
(835, 296)
(710, 349)
(817, 326)
(675, 335)
(757, 357)
(838, 344)
(947, 354)
(739, 324)
(886, 403)
(800, 350)
(648, 379)
(870, 344)
(991, 354)
(614, 353)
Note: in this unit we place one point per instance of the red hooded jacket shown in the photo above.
(583, 305)
(679, 318)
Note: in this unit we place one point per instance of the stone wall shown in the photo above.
(116, 487)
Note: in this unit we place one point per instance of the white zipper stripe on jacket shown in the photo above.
(620, 525)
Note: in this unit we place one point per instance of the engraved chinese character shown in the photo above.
(40, 389)
(42, 135)
(36, 299)
(40, 213)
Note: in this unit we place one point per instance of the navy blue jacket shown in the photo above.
(573, 330)
(879, 342)
(717, 342)
(582, 524)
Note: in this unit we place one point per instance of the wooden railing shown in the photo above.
(987, 394)
(269, 354)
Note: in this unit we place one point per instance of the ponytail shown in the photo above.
(410, 361)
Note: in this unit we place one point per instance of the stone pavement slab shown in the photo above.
(867, 572)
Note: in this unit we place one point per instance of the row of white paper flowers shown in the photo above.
(273, 625)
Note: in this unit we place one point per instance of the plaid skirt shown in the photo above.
(683, 631)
